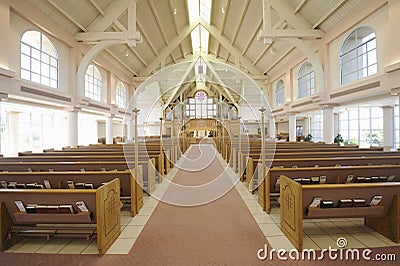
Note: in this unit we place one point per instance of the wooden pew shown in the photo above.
(334, 175)
(253, 169)
(103, 218)
(131, 188)
(296, 199)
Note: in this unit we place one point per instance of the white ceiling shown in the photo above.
(234, 31)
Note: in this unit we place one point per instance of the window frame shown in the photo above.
(279, 93)
(305, 81)
(93, 85)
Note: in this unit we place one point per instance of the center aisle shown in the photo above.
(220, 232)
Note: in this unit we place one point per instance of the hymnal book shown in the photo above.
(20, 206)
(67, 209)
(103, 169)
(70, 184)
(52, 209)
(359, 203)
(360, 179)
(30, 208)
(47, 184)
(39, 186)
(349, 178)
(315, 179)
(31, 185)
(89, 186)
(51, 170)
(391, 178)
(298, 180)
(21, 186)
(82, 170)
(12, 185)
(315, 203)
(81, 206)
(383, 178)
(3, 184)
(338, 165)
(29, 169)
(322, 179)
(295, 166)
(376, 200)
(79, 185)
(326, 204)
(306, 181)
(41, 208)
(316, 166)
(345, 203)
(368, 180)
(375, 178)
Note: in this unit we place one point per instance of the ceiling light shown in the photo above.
(175, 11)
(126, 52)
(273, 50)
(223, 10)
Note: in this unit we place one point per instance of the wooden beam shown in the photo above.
(56, 6)
(168, 49)
(280, 59)
(146, 37)
(112, 13)
(121, 62)
(299, 7)
(228, 4)
(253, 36)
(94, 3)
(159, 24)
(327, 15)
(245, 62)
(246, 7)
(173, 17)
(292, 33)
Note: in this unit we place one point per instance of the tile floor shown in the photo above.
(318, 234)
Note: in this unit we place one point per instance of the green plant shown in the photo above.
(308, 137)
(338, 139)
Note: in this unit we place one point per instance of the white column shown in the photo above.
(388, 128)
(292, 127)
(109, 130)
(335, 124)
(306, 128)
(72, 123)
(328, 124)
(13, 133)
(272, 128)
(129, 129)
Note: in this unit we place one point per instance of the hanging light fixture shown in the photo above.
(174, 10)
(223, 10)
(126, 52)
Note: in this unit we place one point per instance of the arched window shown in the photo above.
(93, 83)
(279, 93)
(201, 106)
(358, 55)
(39, 59)
(305, 80)
(121, 94)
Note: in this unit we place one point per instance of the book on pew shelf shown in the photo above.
(20, 205)
(306, 181)
(316, 202)
(20, 186)
(369, 164)
(47, 184)
(52, 209)
(31, 185)
(391, 178)
(41, 208)
(350, 178)
(12, 185)
(338, 165)
(322, 179)
(375, 178)
(295, 166)
(368, 180)
(298, 180)
(359, 202)
(31, 208)
(89, 186)
(316, 166)
(67, 209)
(103, 169)
(383, 178)
(360, 179)
(29, 169)
(326, 204)
(39, 186)
(278, 181)
(51, 170)
(82, 206)
(376, 200)
(82, 170)
(314, 179)
(70, 184)
(3, 184)
(79, 185)
(345, 203)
